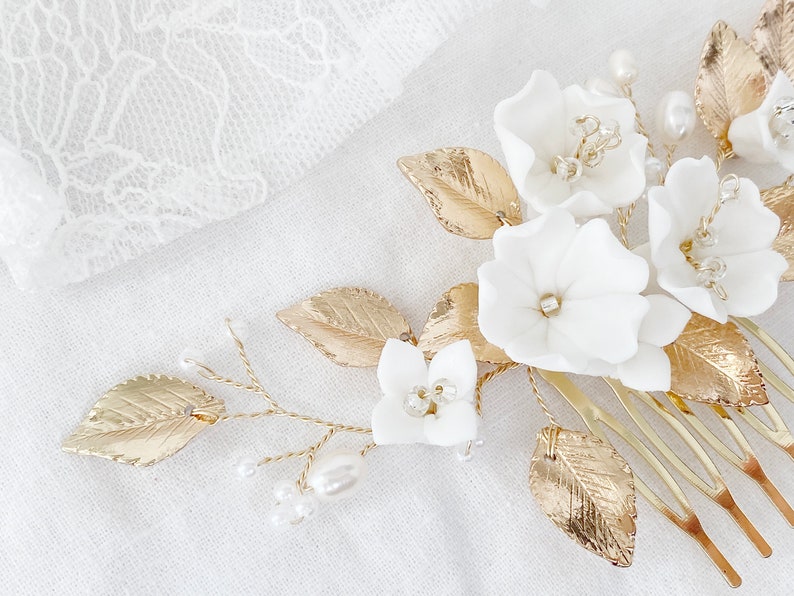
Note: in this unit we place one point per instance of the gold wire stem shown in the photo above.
(536, 391)
(594, 417)
(669, 151)
(486, 377)
(247, 365)
(283, 457)
(723, 153)
(310, 455)
(326, 423)
(623, 221)
(367, 448)
(629, 94)
(246, 415)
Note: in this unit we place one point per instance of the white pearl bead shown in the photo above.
(623, 67)
(280, 516)
(240, 329)
(285, 490)
(653, 167)
(337, 475)
(194, 356)
(305, 506)
(246, 467)
(675, 117)
(599, 86)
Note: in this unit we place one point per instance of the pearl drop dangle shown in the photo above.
(623, 67)
(675, 117)
(337, 475)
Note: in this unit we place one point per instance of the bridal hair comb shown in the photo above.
(664, 324)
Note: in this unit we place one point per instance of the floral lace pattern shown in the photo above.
(135, 122)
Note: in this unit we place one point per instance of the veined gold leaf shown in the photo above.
(587, 490)
(731, 81)
(349, 325)
(454, 317)
(467, 190)
(780, 199)
(714, 363)
(773, 37)
(144, 420)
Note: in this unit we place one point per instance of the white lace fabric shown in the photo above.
(126, 124)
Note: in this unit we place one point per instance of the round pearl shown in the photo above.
(675, 117)
(193, 355)
(285, 490)
(337, 475)
(280, 516)
(240, 329)
(599, 86)
(305, 506)
(623, 67)
(246, 467)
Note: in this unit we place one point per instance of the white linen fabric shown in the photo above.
(423, 523)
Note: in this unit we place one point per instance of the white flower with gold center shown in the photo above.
(711, 241)
(561, 297)
(425, 404)
(571, 148)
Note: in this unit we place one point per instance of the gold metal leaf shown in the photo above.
(780, 199)
(587, 490)
(144, 420)
(470, 193)
(773, 37)
(714, 363)
(454, 317)
(731, 81)
(349, 325)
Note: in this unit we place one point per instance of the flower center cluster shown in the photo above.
(421, 400)
(595, 139)
(781, 122)
(711, 269)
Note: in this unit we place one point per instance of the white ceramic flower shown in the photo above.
(732, 270)
(425, 404)
(766, 135)
(535, 129)
(559, 297)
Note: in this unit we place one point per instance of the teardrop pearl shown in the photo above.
(675, 117)
(623, 67)
(602, 87)
(337, 475)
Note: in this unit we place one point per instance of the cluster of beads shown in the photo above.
(421, 400)
(595, 139)
(292, 506)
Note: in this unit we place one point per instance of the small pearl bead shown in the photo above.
(246, 467)
(285, 490)
(305, 505)
(599, 86)
(675, 117)
(280, 516)
(240, 329)
(653, 167)
(337, 475)
(623, 67)
(190, 354)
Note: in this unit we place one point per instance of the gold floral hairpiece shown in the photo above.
(664, 324)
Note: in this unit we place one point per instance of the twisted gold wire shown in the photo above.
(310, 455)
(491, 374)
(539, 398)
(247, 365)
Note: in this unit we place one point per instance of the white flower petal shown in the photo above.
(665, 237)
(454, 423)
(664, 322)
(455, 362)
(392, 425)
(692, 188)
(648, 370)
(681, 281)
(764, 268)
(603, 327)
(582, 203)
(401, 368)
(597, 263)
(644, 251)
(620, 178)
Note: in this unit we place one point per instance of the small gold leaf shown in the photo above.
(731, 81)
(773, 37)
(144, 420)
(714, 363)
(454, 317)
(587, 490)
(780, 199)
(467, 190)
(349, 325)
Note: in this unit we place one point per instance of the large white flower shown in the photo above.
(425, 404)
(733, 270)
(766, 135)
(534, 128)
(560, 297)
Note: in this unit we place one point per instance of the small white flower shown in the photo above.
(560, 297)
(735, 259)
(766, 135)
(534, 128)
(425, 404)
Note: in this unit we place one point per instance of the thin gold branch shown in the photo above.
(486, 377)
(541, 402)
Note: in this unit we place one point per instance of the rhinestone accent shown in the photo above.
(417, 402)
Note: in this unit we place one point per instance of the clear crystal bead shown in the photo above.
(705, 239)
(583, 126)
(568, 169)
(781, 123)
(729, 188)
(711, 270)
(653, 167)
(443, 391)
(417, 403)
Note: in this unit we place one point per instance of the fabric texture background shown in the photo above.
(424, 523)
